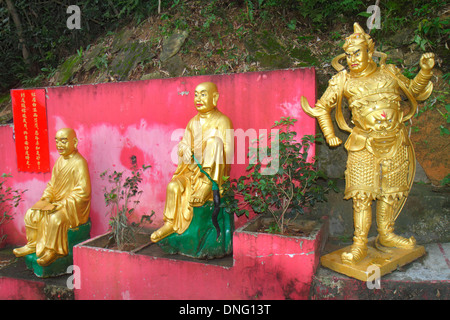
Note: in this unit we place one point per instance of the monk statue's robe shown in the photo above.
(69, 190)
(209, 137)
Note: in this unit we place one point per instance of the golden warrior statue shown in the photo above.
(381, 161)
(65, 203)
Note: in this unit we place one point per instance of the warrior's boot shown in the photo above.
(362, 219)
(385, 223)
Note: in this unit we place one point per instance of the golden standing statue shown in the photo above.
(65, 203)
(208, 137)
(381, 161)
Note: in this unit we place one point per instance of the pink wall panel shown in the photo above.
(147, 118)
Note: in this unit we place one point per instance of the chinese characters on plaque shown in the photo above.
(30, 129)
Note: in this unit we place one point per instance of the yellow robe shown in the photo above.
(69, 186)
(211, 140)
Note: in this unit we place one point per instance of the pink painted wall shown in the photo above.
(20, 289)
(146, 118)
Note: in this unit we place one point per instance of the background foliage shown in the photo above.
(47, 37)
(49, 41)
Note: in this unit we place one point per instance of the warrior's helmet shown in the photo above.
(359, 37)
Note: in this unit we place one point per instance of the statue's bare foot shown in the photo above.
(161, 233)
(199, 197)
(23, 251)
(48, 258)
(392, 240)
(356, 254)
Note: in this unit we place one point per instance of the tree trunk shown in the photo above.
(12, 10)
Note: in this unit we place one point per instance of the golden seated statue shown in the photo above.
(208, 137)
(65, 203)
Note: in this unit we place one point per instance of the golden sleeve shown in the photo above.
(325, 105)
(421, 86)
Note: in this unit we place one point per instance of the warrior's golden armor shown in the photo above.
(381, 161)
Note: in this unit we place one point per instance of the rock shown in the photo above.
(121, 39)
(174, 65)
(128, 58)
(265, 49)
(273, 61)
(420, 176)
(402, 37)
(396, 56)
(91, 55)
(71, 66)
(411, 58)
(153, 75)
(172, 45)
(6, 116)
(333, 160)
(305, 56)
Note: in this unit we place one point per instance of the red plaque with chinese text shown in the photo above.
(30, 130)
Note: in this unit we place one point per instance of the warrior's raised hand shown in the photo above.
(427, 61)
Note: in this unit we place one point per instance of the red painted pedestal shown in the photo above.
(263, 266)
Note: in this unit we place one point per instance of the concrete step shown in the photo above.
(427, 278)
(19, 283)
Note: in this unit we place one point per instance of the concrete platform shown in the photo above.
(17, 282)
(427, 278)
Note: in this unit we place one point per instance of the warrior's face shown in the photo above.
(357, 58)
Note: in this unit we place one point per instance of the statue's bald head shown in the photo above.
(210, 86)
(66, 141)
(206, 97)
(67, 132)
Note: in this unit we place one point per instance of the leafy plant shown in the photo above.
(9, 199)
(430, 29)
(101, 62)
(446, 180)
(122, 198)
(286, 193)
(292, 24)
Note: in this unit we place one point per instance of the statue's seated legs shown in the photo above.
(61, 262)
(174, 195)
(191, 189)
(32, 220)
(52, 240)
(46, 235)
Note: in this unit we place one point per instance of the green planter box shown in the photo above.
(199, 240)
(75, 236)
